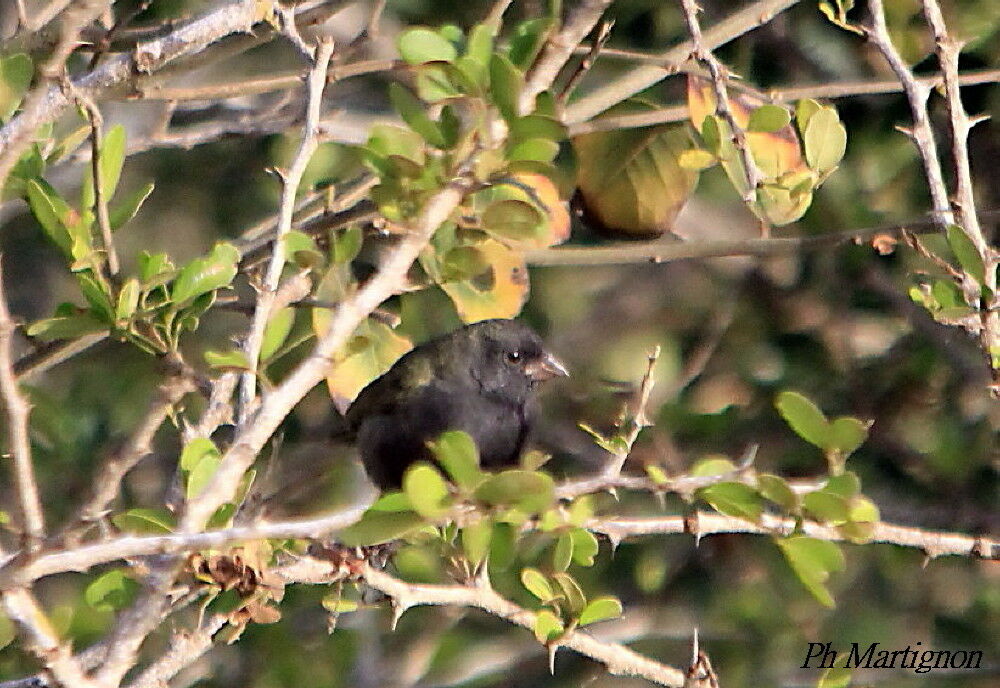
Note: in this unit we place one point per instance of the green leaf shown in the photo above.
(347, 245)
(965, 251)
(601, 609)
(278, 327)
(112, 159)
(548, 626)
(825, 140)
(435, 83)
(527, 41)
(846, 435)
(392, 501)
(419, 45)
(537, 127)
(414, 113)
(335, 604)
(376, 527)
(145, 521)
(562, 553)
(480, 43)
(733, 499)
(804, 417)
(536, 149)
(712, 465)
(571, 590)
(52, 213)
(7, 631)
(804, 110)
(768, 119)
(122, 212)
(585, 546)
(834, 678)
(813, 561)
(463, 263)
(95, 291)
(427, 490)
(110, 591)
(195, 450)
(845, 485)
(228, 360)
(201, 475)
(503, 546)
(15, 77)
(456, 451)
(536, 583)
(513, 219)
(826, 506)
(775, 488)
(152, 265)
(202, 275)
(66, 327)
(530, 491)
(476, 540)
(128, 300)
(696, 159)
(506, 84)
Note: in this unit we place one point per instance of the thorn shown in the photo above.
(976, 119)
(694, 647)
(906, 131)
(398, 609)
(552, 647)
(613, 491)
(615, 540)
(749, 456)
(661, 499)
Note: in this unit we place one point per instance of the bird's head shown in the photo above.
(509, 359)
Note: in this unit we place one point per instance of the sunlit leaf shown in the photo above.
(846, 434)
(232, 359)
(601, 609)
(585, 546)
(66, 327)
(530, 491)
(825, 140)
(733, 499)
(121, 213)
(500, 294)
(202, 275)
(537, 584)
(457, 453)
(376, 527)
(476, 540)
(426, 490)
(548, 626)
(418, 45)
(804, 417)
(145, 521)
(506, 84)
(562, 553)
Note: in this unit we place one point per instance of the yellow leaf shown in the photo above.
(370, 353)
(499, 293)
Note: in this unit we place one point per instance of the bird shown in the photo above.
(480, 379)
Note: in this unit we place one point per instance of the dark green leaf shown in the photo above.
(527, 41)
(202, 275)
(110, 591)
(506, 84)
(733, 499)
(813, 561)
(777, 490)
(95, 291)
(127, 209)
(66, 327)
(52, 213)
(15, 77)
(965, 251)
(279, 325)
(145, 521)
(376, 527)
(414, 113)
(513, 219)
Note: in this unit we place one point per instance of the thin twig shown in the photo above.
(665, 252)
(704, 55)
(641, 78)
(558, 50)
(100, 193)
(18, 410)
(588, 61)
(316, 82)
(785, 94)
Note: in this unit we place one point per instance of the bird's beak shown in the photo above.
(545, 367)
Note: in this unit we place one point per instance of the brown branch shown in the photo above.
(559, 49)
(665, 252)
(834, 90)
(641, 78)
(619, 660)
(51, 355)
(17, 411)
(185, 648)
(100, 193)
(702, 523)
(315, 84)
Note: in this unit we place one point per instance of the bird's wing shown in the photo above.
(384, 394)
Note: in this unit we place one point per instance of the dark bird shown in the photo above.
(480, 379)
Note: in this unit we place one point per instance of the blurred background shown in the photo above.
(834, 323)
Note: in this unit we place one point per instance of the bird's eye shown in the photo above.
(514, 356)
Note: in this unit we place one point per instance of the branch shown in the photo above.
(51, 101)
(18, 411)
(831, 90)
(643, 77)
(719, 78)
(665, 252)
(185, 648)
(559, 49)
(702, 523)
(619, 660)
(315, 83)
